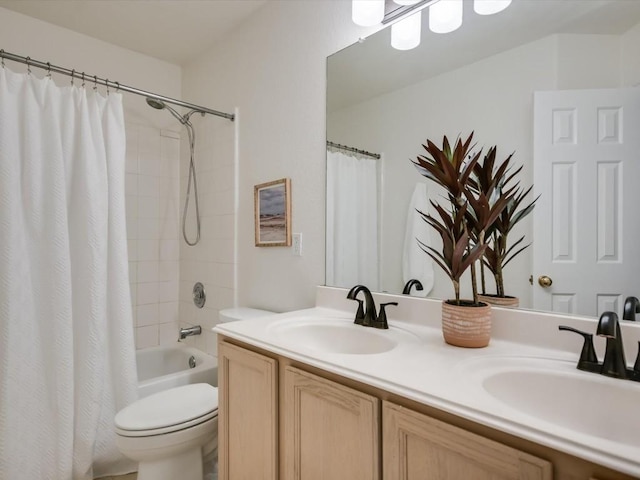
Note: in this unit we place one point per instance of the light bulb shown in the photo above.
(367, 13)
(405, 34)
(489, 7)
(445, 16)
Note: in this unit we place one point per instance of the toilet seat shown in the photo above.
(168, 411)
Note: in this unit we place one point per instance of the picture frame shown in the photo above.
(272, 202)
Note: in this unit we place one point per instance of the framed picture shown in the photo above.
(273, 213)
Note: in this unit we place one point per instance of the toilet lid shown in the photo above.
(169, 408)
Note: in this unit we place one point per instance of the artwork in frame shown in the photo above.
(273, 213)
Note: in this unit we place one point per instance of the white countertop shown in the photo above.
(425, 369)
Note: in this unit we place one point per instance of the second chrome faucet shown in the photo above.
(368, 316)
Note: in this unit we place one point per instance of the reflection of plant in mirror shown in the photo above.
(464, 225)
(492, 180)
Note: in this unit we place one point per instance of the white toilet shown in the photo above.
(169, 433)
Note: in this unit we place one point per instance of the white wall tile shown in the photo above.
(148, 249)
(168, 312)
(148, 271)
(169, 249)
(146, 336)
(146, 315)
(148, 207)
(168, 291)
(131, 184)
(149, 228)
(147, 293)
(168, 333)
(168, 270)
(148, 185)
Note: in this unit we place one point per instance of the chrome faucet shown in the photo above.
(614, 363)
(631, 307)
(187, 332)
(368, 317)
(411, 283)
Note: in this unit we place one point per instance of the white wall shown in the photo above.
(273, 69)
(152, 158)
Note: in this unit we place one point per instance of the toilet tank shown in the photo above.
(242, 313)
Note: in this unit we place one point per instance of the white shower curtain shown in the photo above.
(352, 221)
(67, 359)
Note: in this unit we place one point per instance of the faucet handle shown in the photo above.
(382, 317)
(636, 366)
(588, 358)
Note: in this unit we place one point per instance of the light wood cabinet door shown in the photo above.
(248, 415)
(331, 432)
(418, 447)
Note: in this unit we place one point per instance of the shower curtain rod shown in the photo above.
(108, 83)
(354, 150)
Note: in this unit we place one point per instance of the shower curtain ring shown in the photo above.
(117, 87)
(82, 79)
(28, 65)
(2, 56)
(48, 70)
(107, 83)
(73, 73)
(95, 82)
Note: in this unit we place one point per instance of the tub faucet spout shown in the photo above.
(187, 332)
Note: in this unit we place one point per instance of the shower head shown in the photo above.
(160, 105)
(155, 103)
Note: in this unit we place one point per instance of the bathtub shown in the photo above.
(164, 367)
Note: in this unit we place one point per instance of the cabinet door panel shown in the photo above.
(331, 431)
(418, 447)
(248, 402)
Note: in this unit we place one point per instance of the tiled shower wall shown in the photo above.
(162, 267)
(152, 196)
(212, 261)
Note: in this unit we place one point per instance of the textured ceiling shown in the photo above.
(172, 30)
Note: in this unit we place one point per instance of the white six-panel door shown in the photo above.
(587, 220)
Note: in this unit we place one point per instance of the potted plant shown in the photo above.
(462, 225)
(492, 180)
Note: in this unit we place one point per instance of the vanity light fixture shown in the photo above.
(405, 34)
(367, 13)
(444, 16)
(489, 7)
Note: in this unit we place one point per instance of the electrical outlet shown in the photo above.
(297, 244)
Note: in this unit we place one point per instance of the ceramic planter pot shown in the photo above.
(513, 302)
(466, 326)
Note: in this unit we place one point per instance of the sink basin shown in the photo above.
(340, 336)
(554, 391)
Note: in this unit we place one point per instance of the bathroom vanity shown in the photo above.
(308, 392)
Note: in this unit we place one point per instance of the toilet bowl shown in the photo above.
(170, 432)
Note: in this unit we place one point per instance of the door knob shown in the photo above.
(544, 281)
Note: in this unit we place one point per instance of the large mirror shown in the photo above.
(484, 78)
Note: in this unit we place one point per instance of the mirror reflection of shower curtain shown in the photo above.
(352, 220)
